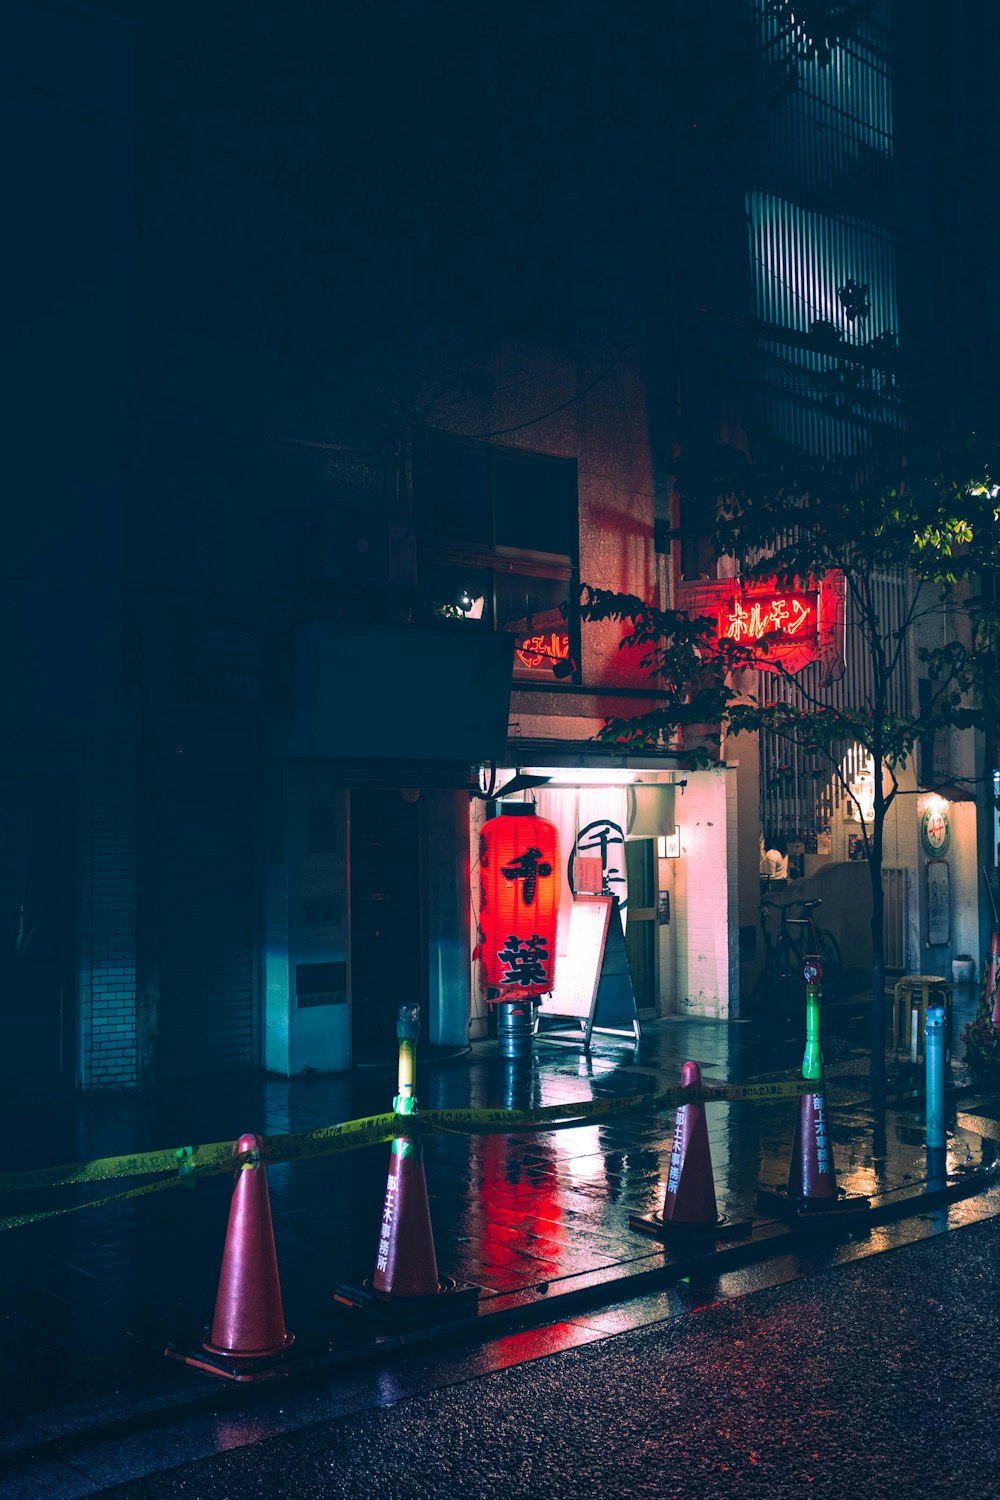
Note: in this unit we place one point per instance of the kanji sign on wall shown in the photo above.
(519, 883)
(795, 626)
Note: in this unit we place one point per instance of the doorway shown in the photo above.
(640, 927)
(386, 930)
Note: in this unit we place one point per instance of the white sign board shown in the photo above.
(579, 969)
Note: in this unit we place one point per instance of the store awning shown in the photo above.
(396, 692)
(951, 791)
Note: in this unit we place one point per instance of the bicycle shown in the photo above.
(798, 938)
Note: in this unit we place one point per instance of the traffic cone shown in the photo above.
(405, 1287)
(248, 1335)
(812, 1177)
(689, 1205)
(405, 1262)
(812, 1193)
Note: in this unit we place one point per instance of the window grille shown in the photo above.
(798, 794)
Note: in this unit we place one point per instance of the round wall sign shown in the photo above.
(935, 832)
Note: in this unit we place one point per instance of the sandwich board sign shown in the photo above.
(593, 980)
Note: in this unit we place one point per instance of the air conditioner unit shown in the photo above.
(356, 547)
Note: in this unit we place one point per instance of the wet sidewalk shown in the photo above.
(539, 1221)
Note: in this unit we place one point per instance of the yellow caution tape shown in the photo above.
(349, 1136)
(566, 1116)
(15, 1221)
(187, 1163)
(180, 1159)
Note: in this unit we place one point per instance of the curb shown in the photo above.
(502, 1314)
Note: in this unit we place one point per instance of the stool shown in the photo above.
(917, 991)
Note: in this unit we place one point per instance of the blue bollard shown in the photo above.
(934, 1063)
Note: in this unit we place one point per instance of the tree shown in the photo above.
(932, 519)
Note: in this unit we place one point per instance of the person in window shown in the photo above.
(775, 862)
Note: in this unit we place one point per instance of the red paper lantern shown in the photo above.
(518, 904)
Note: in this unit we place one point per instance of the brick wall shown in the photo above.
(109, 1033)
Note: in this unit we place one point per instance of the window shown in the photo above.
(498, 546)
(497, 497)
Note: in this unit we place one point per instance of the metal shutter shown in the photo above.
(205, 918)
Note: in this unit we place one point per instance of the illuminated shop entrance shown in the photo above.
(611, 823)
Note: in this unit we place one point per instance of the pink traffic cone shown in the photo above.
(248, 1335)
(811, 1173)
(405, 1262)
(690, 1195)
(689, 1205)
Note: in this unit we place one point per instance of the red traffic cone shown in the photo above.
(812, 1194)
(689, 1202)
(811, 1173)
(690, 1195)
(248, 1334)
(405, 1262)
(405, 1287)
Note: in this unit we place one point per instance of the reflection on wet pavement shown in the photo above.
(95, 1295)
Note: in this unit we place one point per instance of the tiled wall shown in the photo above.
(109, 1033)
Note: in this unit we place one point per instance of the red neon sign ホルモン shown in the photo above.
(786, 617)
(791, 626)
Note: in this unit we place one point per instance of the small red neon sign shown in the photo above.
(542, 650)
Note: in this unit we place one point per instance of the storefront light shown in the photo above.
(668, 845)
(576, 776)
(933, 803)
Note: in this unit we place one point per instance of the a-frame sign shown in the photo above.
(593, 980)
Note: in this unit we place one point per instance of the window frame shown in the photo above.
(496, 558)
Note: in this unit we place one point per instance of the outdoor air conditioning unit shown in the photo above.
(356, 547)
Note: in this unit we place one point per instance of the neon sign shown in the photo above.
(542, 650)
(796, 626)
(751, 618)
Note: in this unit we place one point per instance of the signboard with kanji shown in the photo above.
(793, 626)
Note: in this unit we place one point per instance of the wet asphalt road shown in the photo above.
(870, 1379)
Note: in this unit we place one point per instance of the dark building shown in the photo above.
(346, 353)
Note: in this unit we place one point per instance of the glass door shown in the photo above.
(640, 927)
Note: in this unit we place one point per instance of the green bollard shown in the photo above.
(812, 1196)
(812, 1061)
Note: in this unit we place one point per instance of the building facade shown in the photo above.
(860, 313)
(345, 423)
(68, 736)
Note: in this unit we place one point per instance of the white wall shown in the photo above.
(700, 948)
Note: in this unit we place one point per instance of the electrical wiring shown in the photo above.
(571, 401)
(500, 389)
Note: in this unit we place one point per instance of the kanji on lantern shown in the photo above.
(519, 880)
